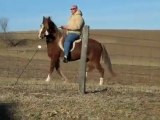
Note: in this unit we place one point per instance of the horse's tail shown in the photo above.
(106, 60)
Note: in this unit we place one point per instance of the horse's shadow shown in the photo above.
(97, 91)
(6, 111)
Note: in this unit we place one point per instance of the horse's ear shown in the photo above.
(49, 17)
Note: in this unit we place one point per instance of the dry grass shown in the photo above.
(40, 100)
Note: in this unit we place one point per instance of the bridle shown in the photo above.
(43, 32)
(46, 32)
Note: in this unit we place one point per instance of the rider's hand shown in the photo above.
(64, 27)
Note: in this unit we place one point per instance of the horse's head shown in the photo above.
(47, 28)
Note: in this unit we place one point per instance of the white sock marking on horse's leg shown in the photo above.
(48, 78)
(101, 81)
(86, 74)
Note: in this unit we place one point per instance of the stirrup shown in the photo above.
(65, 60)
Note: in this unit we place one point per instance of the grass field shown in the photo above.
(133, 94)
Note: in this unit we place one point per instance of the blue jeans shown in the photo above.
(70, 38)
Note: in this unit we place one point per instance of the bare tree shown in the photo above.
(4, 24)
(7, 39)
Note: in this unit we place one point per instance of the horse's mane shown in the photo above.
(52, 26)
(55, 29)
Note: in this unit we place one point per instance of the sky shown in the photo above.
(26, 15)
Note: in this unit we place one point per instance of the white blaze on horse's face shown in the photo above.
(46, 33)
(41, 32)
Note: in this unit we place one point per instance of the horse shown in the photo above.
(55, 39)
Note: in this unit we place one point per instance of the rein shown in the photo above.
(50, 38)
(53, 36)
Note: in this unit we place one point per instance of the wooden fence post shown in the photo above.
(82, 70)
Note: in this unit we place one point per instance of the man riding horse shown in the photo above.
(54, 39)
(74, 29)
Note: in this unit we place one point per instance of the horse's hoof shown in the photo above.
(65, 81)
(47, 80)
(100, 84)
(101, 81)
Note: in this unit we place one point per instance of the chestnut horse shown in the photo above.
(55, 38)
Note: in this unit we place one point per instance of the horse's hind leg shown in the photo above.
(90, 67)
(57, 65)
(101, 71)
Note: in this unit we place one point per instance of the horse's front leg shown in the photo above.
(57, 65)
(52, 65)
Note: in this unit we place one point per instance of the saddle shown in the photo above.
(61, 44)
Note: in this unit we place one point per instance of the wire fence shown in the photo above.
(133, 60)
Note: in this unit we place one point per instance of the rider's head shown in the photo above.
(74, 8)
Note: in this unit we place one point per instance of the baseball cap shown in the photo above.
(74, 7)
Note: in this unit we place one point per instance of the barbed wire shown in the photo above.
(150, 71)
(124, 37)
